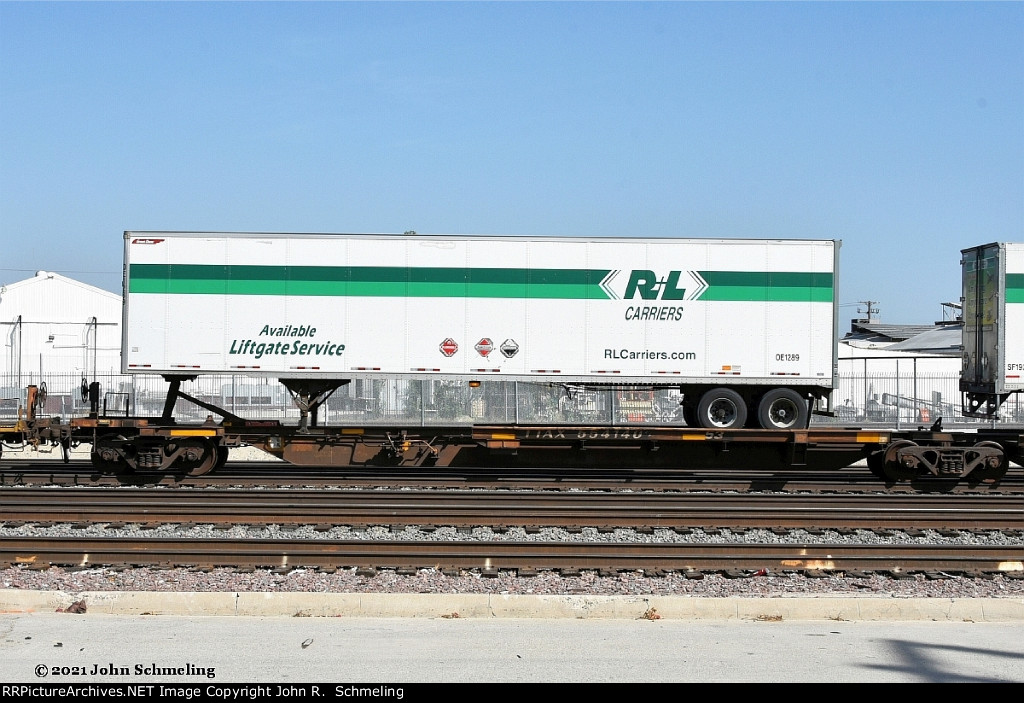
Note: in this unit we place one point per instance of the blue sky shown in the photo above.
(897, 127)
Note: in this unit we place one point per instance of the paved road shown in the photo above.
(395, 651)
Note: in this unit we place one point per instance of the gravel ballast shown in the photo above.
(762, 583)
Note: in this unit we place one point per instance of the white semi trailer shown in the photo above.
(746, 329)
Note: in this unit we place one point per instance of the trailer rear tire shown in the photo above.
(783, 409)
(722, 409)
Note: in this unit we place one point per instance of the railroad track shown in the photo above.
(521, 557)
(503, 508)
(271, 474)
(43, 508)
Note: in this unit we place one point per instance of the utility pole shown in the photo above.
(871, 311)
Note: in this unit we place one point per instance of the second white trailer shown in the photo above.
(993, 337)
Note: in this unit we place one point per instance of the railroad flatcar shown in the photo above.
(744, 331)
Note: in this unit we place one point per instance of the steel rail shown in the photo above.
(276, 474)
(514, 556)
(509, 508)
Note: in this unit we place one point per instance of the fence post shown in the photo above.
(915, 382)
(899, 415)
(865, 388)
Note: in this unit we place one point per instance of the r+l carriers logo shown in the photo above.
(648, 285)
(675, 286)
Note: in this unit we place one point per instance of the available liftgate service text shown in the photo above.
(297, 346)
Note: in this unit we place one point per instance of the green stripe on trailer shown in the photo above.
(364, 281)
(814, 287)
(439, 282)
(1015, 287)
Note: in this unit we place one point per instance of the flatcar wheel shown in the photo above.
(995, 468)
(105, 466)
(200, 457)
(722, 409)
(876, 464)
(222, 456)
(894, 469)
(105, 458)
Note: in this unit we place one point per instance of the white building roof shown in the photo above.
(51, 296)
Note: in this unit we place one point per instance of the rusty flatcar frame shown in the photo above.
(161, 444)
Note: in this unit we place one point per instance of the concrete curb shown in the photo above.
(579, 607)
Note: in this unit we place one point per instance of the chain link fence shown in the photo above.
(898, 393)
